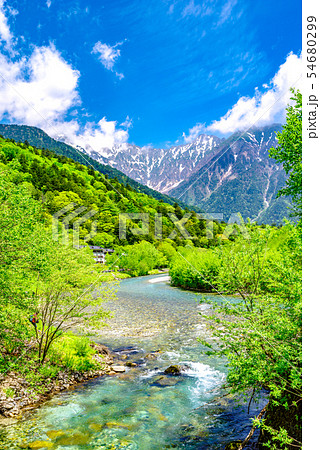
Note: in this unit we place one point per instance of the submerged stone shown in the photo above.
(40, 444)
(118, 369)
(116, 425)
(164, 381)
(75, 439)
(54, 434)
(95, 426)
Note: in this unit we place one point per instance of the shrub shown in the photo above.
(140, 258)
(73, 352)
(195, 268)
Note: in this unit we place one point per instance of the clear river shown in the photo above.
(154, 326)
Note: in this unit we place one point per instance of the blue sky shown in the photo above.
(149, 72)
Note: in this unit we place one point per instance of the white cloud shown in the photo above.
(5, 33)
(98, 137)
(42, 90)
(263, 108)
(38, 89)
(48, 3)
(108, 55)
(194, 132)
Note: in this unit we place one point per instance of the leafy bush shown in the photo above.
(195, 268)
(73, 352)
(141, 258)
(48, 371)
(168, 250)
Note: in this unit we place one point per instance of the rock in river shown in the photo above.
(173, 370)
(118, 369)
(164, 381)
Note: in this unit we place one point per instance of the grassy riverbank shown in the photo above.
(72, 359)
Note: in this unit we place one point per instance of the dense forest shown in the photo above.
(58, 181)
(39, 275)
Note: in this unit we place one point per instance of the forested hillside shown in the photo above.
(58, 181)
(38, 138)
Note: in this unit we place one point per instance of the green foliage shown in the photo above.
(65, 290)
(58, 181)
(261, 334)
(167, 249)
(289, 152)
(39, 275)
(140, 258)
(73, 352)
(48, 370)
(19, 217)
(194, 268)
(30, 135)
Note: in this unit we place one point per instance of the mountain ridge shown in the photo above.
(40, 139)
(210, 174)
(161, 169)
(241, 177)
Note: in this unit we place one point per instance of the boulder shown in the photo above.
(173, 370)
(131, 364)
(102, 349)
(118, 369)
(153, 355)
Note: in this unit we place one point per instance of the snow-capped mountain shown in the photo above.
(217, 175)
(240, 177)
(160, 169)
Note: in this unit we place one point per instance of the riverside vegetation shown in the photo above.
(260, 335)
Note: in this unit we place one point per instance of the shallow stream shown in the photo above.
(154, 326)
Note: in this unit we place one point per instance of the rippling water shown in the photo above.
(134, 411)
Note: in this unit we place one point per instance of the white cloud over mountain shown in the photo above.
(263, 108)
(42, 89)
(105, 134)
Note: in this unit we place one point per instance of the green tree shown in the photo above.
(261, 334)
(140, 258)
(289, 152)
(39, 276)
(65, 290)
(19, 214)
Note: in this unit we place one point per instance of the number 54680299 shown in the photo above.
(311, 46)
